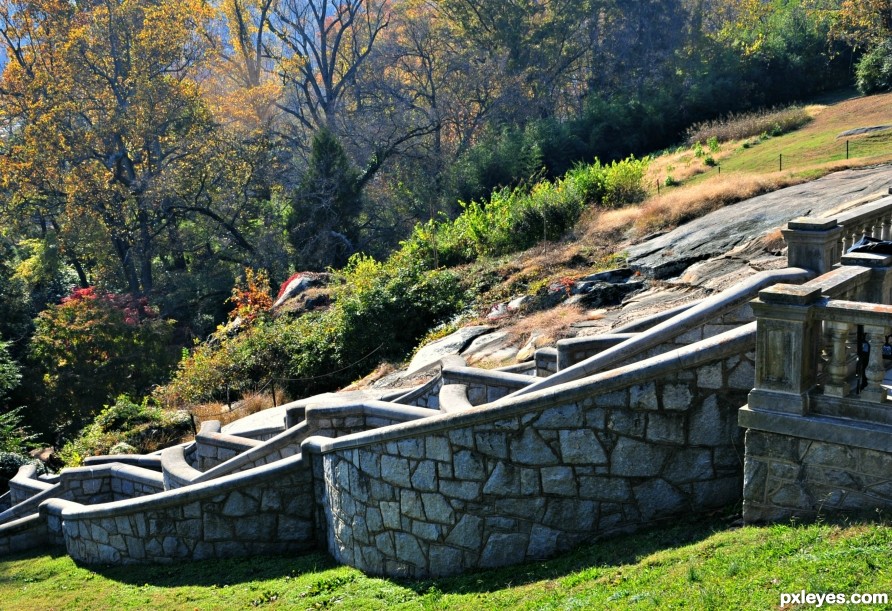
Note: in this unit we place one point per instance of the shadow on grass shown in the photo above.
(607, 553)
(612, 552)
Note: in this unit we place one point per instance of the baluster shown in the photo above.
(887, 227)
(876, 370)
(836, 382)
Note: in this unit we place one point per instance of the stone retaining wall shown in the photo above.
(23, 534)
(529, 478)
(268, 510)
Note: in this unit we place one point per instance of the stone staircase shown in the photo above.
(473, 469)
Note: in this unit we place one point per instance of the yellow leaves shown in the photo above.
(863, 21)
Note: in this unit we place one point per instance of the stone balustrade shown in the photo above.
(818, 420)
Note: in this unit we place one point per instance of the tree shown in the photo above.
(92, 347)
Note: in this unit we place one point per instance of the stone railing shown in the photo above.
(820, 243)
(693, 319)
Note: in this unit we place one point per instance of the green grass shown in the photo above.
(695, 565)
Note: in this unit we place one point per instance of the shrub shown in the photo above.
(873, 73)
(92, 346)
(126, 427)
(773, 121)
(9, 466)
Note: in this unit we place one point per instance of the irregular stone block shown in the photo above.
(395, 470)
(677, 397)
(467, 491)
(564, 416)
(426, 531)
(688, 465)
(581, 447)
(710, 426)
(411, 448)
(240, 504)
(408, 550)
(468, 465)
(437, 509)
(462, 438)
(543, 542)
(666, 428)
(410, 505)
(613, 489)
(531, 449)
(445, 561)
(384, 543)
(570, 514)
(370, 462)
(504, 481)
(558, 480)
(466, 533)
(710, 376)
(390, 514)
(631, 458)
(529, 481)
(643, 396)
(437, 448)
(657, 498)
(503, 549)
(492, 443)
(425, 476)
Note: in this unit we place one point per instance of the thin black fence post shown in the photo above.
(273, 386)
(780, 162)
(847, 149)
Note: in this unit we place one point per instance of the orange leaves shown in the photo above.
(251, 296)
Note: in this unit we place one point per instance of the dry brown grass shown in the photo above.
(553, 323)
(250, 404)
(682, 204)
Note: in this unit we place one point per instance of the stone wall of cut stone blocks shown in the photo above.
(269, 510)
(552, 471)
(427, 396)
(788, 476)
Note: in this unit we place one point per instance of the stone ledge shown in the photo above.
(472, 375)
(819, 428)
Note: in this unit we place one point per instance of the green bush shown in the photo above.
(873, 73)
(9, 466)
(518, 218)
(126, 427)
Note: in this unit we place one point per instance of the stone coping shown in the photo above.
(450, 360)
(177, 467)
(518, 367)
(121, 471)
(26, 477)
(841, 279)
(19, 525)
(236, 442)
(151, 462)
(454, 398)
(651, 320)
(491, 377)
(691, 318)
(862, 214)
(868, 435)
(720, 346)
(171, 498)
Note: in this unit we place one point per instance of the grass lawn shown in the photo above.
(701, 564)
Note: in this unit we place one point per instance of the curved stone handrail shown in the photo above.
(23, 533)
(145, 461)
(707, 309)
(429, 391)
(175, 468)
(454, 398)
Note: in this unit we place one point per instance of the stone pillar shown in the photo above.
(788, 345)
(813, 243)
